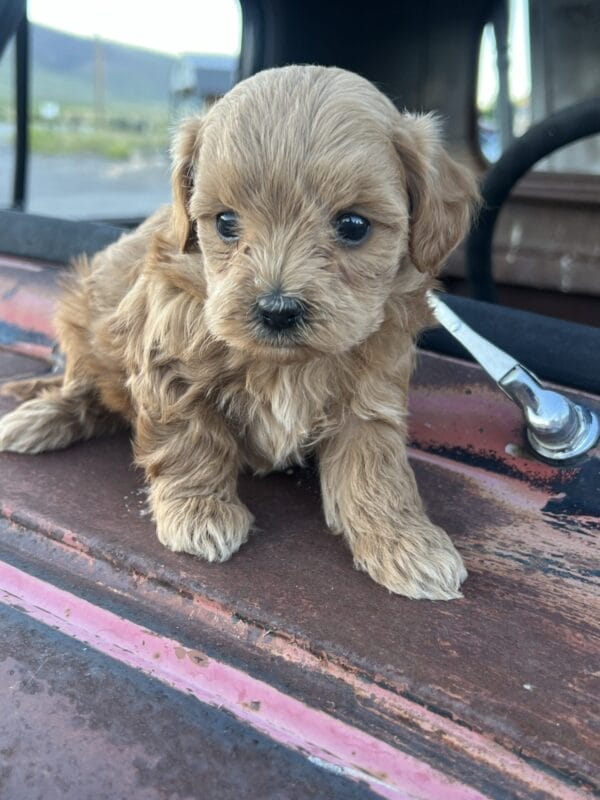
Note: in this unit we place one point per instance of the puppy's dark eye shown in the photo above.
(228, 226)
(351, 229)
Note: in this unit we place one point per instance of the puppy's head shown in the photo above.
(312, 199)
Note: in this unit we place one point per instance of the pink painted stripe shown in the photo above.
(473, 745)
(326, 741)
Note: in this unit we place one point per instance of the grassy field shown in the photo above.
(125, 131)
(122, 132)
(103, 142)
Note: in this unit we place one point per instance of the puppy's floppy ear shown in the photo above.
(184, 152)
(442, 192)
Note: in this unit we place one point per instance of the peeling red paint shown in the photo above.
(28, 299)
(389, 772)
(527, 623)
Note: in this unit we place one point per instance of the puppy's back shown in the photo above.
(92, 318)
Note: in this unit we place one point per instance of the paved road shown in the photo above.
(87, 187)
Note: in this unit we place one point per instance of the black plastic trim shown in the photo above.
(557, 351)
(11, 13)
(52, 239)
(22, 113)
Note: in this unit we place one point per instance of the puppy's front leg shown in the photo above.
(191, 462)
(370, 495)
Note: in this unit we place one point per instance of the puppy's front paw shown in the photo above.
(420, 562)
(203, 526)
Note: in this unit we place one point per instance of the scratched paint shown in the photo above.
(462, 425)
(326, 740)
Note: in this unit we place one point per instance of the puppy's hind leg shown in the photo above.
(28, 388)
(55, 419)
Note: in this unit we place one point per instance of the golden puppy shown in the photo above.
(270, 312)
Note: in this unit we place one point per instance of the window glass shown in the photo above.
(109, 79)
(538, 57)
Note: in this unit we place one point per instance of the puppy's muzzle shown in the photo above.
(279, 312)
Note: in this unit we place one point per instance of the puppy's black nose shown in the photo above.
(279, 312)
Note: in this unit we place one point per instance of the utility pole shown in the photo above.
(99, 82)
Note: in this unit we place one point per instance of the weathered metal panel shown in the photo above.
(77, 725)
(499, 690)
(324, 740)
(515, 662)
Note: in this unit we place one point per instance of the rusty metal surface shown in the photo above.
(511, 672)
(76, 725)
(516, 661)
(315, 733)
(16, 365)
(28, 293)
(458, 413)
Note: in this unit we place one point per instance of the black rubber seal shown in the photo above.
(555, 350)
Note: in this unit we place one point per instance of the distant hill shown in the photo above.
(63, 71)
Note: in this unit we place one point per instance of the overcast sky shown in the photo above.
(173, 26)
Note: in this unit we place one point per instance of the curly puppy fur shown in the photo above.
(160, 330)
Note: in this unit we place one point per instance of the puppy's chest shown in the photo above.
(277, 420)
